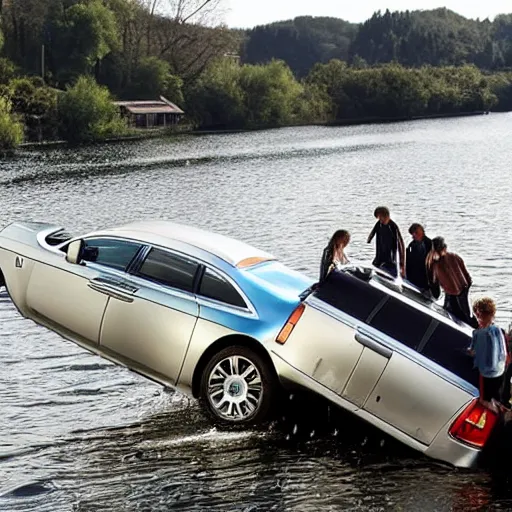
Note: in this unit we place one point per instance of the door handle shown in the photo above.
(112, 288)
(373, 345)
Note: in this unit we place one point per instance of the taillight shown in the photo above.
(283, 336)
(474, 425)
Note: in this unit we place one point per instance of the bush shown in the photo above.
(11, 130)
(87, 113)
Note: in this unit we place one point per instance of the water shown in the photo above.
(77, 433)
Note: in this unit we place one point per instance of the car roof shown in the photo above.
(406, 293)
(162, 232)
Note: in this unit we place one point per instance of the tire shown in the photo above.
(232, 399)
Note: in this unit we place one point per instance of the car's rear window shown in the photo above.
(448, 347)
(350, 295)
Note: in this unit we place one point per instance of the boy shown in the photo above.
(416, 260)
(489, 350)
(389, 241)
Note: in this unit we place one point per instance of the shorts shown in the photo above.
(491, 388)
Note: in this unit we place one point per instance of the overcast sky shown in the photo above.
(248, 13)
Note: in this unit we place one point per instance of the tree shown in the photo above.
(153, 78)
(87, 113)
(81, 36)
(11, 130)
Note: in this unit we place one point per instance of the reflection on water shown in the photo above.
(78, 433)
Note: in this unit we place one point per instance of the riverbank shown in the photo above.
(166, 133)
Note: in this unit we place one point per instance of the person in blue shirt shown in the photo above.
(489, 349)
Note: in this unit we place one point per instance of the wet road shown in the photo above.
(77, 433)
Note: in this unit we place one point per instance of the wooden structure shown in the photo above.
(151, 114)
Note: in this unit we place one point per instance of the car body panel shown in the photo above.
(140, 331)
(323, 348)
(414, 399)
(74, 304)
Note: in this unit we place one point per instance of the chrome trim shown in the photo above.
(222, 306)
(393, 345)
(373, 344)
(110, 291)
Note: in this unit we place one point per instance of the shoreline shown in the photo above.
(160, 134)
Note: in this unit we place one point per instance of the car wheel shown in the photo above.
(238, 387)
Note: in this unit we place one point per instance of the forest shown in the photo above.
(64, 62)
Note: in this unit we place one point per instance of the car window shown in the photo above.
(110, 252)
(350, 295)
(215, 287)
(402, 322)
(448, 347)
(169, 269)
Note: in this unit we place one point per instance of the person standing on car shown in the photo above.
(449, 272)
(334, 254)
(416, 257)
(489, 349)
(389, 241)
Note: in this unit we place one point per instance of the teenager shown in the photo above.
(416, 257)
(388, 243)
(334, 254)
(449, 271)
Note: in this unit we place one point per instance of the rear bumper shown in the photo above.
(443, 448)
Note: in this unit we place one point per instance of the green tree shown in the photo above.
(81, 37)
(11, 130)
(87, 113)
(153, 78)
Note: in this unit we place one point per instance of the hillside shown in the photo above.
(413, 38)
(301, 42)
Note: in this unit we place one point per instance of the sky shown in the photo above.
(248, 13)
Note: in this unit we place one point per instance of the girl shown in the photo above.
(334, 254)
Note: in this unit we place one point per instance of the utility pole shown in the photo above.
(42, 62)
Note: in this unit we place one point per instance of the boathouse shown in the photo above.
(160, 113)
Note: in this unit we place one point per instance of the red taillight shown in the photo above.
(290, 324)
(474, 425)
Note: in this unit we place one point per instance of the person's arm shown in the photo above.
(464, 271)
(471, 348)
(372, 233)
(401, 250)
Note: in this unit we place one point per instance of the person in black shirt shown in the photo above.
(416, 255)
(334, 253)
(389, 242)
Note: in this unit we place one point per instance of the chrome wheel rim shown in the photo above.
(235, 389)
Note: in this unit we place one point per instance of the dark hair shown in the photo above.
(414, 227)
(381, 210)
(438, 244)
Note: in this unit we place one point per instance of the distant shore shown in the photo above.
(164, 133)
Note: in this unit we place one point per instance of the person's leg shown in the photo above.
(492, 388)
(466, 315)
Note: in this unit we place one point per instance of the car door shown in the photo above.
(151, 329)
(73, 297)
(409, 395)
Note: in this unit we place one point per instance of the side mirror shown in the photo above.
(74, 252)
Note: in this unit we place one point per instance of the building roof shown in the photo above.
(162, 106)
(232, 251)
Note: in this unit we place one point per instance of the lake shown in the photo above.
(77, 433)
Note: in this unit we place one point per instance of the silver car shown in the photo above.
(230, 325)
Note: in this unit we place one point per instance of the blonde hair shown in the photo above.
(484, 307)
